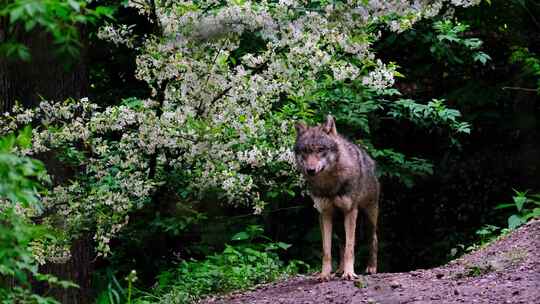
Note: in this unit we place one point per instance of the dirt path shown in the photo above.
(507, 271)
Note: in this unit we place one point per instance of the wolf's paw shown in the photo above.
(371, 269)
(324, 276)
(349, 275)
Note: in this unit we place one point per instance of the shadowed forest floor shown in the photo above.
(506, 271)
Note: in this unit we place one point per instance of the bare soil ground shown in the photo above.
(506, 271)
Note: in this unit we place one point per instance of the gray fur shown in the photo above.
(340, 175)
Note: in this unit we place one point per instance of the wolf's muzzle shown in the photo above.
(314, 171)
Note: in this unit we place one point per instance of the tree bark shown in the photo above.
(48, 76)
(45, 76)
(77, 269)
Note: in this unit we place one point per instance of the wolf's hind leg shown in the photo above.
(348, 254)
(372, 214)
(326, 233)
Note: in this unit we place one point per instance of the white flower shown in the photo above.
(380, 78)
(217, 127)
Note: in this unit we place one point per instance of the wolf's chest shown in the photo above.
(329, 188)
(344, 203)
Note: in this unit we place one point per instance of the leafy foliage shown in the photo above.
(448, 43)
(527, 207)
(216, 129)
(218, 125)
(486, 233)
(433, 113)
(19, 184)
(530, 62)
(21, 176)
(59, 18)
(396, 165)
(246, 263)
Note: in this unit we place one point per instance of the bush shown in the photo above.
(237, 267)
(20, 179)
(228, 81)
(527, 207)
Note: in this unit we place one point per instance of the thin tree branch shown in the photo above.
(520, 89)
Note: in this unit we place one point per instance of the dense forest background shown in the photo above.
(455, 134)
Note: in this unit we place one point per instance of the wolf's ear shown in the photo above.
(300, 128)
(329, 127)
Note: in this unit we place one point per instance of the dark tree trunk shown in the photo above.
(44, 76)
(78, 270)
(54, 78)
(525, 125)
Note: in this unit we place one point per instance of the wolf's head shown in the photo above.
(316, 147)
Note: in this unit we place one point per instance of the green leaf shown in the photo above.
(75, 5)
(29, 25)
(472, 43)
(515, 221)
(504, 206)
(481, 57)
(24, 139)
(15, 50)
(16, 13)
(7, 143)
(107, 11)
(23, 52)
(520, 201)
(283, 246)
(533, 214)
(536, 198)
(240, 236)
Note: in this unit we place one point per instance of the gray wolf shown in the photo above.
(340, 175)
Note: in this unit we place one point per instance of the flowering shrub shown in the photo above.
(20, 180)
(228, 80)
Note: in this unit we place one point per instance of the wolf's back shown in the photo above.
(365, 180)
(359, 156)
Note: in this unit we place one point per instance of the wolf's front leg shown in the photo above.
(372, 214)
(341, 253)
(348, 254)
(326, 232)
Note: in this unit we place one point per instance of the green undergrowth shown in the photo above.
(244, 264)
(523, 208)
